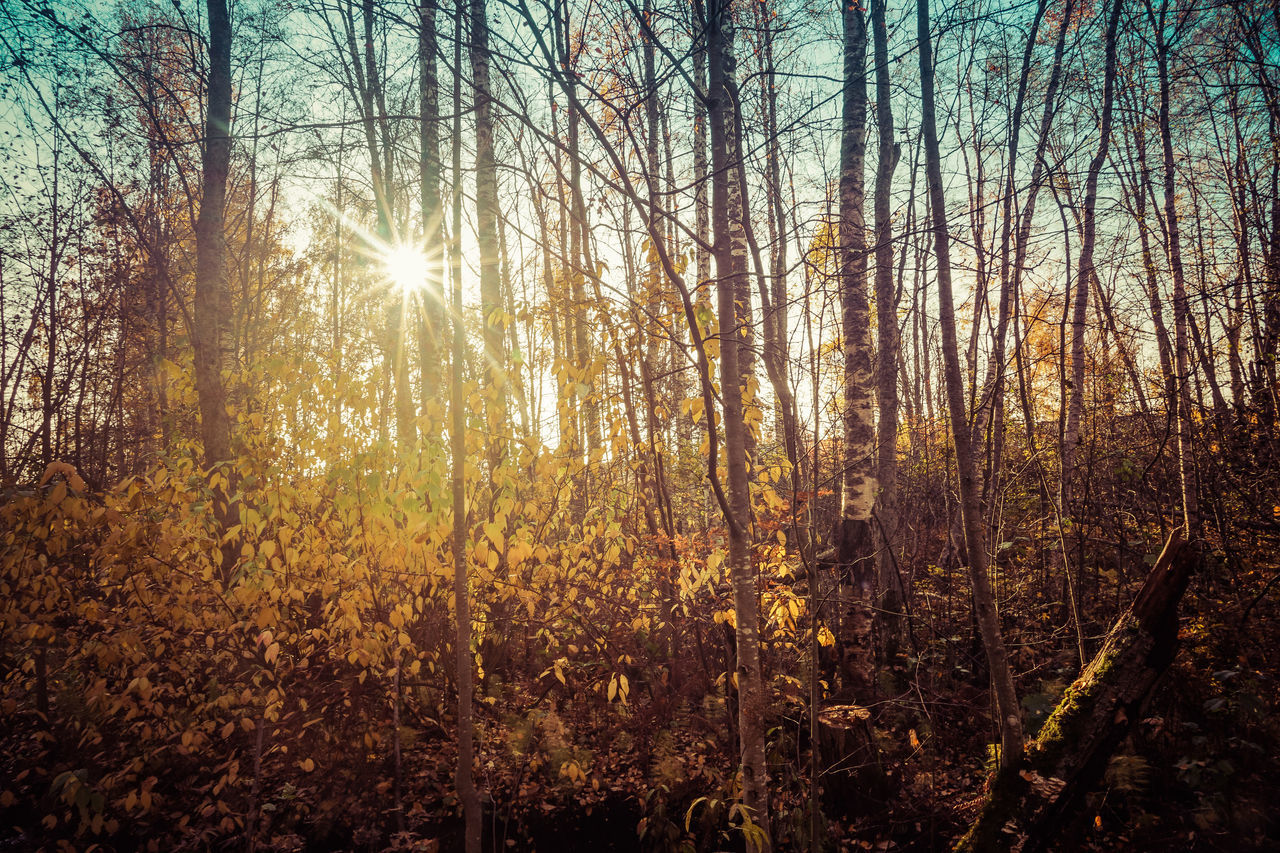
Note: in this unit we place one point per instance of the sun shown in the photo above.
(406, 267)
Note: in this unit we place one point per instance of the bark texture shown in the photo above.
(730, 250)
(888, 338)
(852, 538)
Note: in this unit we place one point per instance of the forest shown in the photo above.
(639, 425)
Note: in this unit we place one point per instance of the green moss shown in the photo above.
(1064, 725)
(1058, 736)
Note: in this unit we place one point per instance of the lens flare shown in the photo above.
(406, 267)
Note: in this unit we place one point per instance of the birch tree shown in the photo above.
(853, 539)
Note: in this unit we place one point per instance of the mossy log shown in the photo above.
(1029, 802)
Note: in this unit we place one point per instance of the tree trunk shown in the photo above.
(701, 210)
(728, 210)
(51, 318)
(1085, 271)
(775, 320)
(464, 778)
(991, 408)
(852, 538)
(1028, 803)
(1136, 186)
(970, 500)
(491, 311)
(1181, 304)
(432, 305)
(888, 339)
(579, 267)
(212, 315)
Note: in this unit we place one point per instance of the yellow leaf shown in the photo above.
(307, 765)
(613, 687)
(494, 532)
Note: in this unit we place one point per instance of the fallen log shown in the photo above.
(1027, 803)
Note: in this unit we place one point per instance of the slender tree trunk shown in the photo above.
(853, 536)
(212, 313)
(647, 325)
(51, 316)
(888, 338)
(728, 210)
(464, 778)
(580, 265)
(377, 133)
(701, 212)
(1181, 304)
(994, 397)
(991, 408)
(1085, 271)
(775, 317)
(492, 314)
(432, 304)
(970, 500)
(1136, 190)
(701, 209)
(560, 294)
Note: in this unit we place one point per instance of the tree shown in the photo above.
(888, 336)
(853, 537)
(432, 303)
(464, 778)
(487, 237)
(728, 210)
(1085, 271)
(970, 500)
(212, 314)
(1181, 302)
